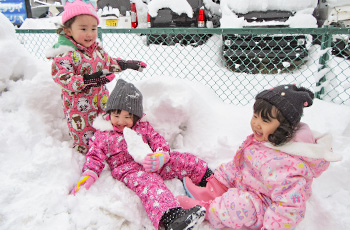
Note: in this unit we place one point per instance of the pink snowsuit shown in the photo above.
(70, 62)
(108, 144)
(268, 185)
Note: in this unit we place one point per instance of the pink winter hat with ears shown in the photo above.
(77, 7)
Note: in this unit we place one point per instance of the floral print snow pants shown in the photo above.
(80, 112)
(150, 187)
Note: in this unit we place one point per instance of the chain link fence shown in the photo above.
(235, 63)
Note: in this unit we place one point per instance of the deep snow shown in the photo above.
(38, 168)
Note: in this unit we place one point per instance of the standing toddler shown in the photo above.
(81, 68)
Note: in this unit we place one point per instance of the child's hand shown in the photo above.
(87, 180)
(155, 161)
(131, 64)
(97, 79)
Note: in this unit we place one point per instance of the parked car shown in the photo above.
(192, 14)
(117, 13)
(335, 13)
(44, 11)
(251, 53)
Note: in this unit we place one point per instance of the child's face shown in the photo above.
(83, 30)
(262, 128)
(122, 120)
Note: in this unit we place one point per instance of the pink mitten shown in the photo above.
(155, 161)
(143, 65)
(110, 76)
(87, 180)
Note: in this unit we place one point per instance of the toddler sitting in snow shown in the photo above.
(145, 177)
(268, 182)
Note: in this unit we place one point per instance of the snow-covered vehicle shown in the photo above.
(178, 14)
(252, 53)
(335, 13)
(43, 11)
(117, 13)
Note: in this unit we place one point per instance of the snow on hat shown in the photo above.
(289, 100)
(78, 7)
(125, 96)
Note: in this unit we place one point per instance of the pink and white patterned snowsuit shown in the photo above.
(269, 186)
(108, 144)
(80, 106)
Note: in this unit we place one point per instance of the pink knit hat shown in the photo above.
(77, 7)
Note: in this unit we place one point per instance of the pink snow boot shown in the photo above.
(213, 189)
(187, 203)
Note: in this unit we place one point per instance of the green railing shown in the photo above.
(235, 63)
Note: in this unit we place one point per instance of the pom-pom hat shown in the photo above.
(289, 100)
(125, 96)
(78, 7)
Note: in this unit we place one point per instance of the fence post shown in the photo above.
(99, 34)
(325, 43)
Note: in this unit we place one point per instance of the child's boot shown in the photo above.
(180, 219)
(187, 203)
(213, 189)
(208, 173)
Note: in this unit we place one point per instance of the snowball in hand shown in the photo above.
(136, 147)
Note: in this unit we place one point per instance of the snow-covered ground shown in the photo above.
(38, 168)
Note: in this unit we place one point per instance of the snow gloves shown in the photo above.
(103, 77)
(155, 161)
(97, 79)
(131, 64)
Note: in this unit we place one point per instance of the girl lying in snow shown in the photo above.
(268, 182)
(146, 176)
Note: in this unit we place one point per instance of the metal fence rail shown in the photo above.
(235, 63)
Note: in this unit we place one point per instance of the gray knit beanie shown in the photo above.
(125, 96)
(289, 100)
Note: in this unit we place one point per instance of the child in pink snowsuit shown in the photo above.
(82, 68)
(124, 109)
(268, 182)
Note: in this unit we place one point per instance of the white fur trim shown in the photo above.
(101, 124)
(322, 149)
(53, 52)
(143, 118)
